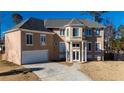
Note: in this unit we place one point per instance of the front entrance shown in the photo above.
(76, 55)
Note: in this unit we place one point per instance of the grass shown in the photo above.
(12, 72)
(104, 71)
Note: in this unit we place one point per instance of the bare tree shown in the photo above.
(1, 39)
(97, 15)
(1, 19)
(17, 18)
(109, 34)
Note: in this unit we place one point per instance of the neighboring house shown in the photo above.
(73, 40)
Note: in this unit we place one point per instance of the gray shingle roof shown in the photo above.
(92, 24)
(75, 22)
(56, 23)
(41, 25)
(32, 24)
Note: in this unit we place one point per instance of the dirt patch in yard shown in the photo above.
(12, 72)
(108, 70)
(65, 63)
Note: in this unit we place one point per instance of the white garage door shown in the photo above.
(34, 56)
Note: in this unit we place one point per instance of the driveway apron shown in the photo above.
(58, 72)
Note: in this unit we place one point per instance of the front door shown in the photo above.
(76, 55)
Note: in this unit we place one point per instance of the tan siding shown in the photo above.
(13, 47)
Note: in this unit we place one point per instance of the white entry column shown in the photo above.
(70, 51)
(67, 49)
(85, 49)
(82, 51)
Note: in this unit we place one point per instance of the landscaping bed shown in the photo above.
(107, 70)
(12, 72)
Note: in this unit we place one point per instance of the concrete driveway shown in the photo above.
(57, 72)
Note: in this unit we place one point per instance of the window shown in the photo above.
(29, 38)
(76, 45)
(67, 32)
(62, 32)
(89, 46)
(43, 39)
(76, 32)
(88, 32)
(62, 47)
(97, 32)
(98, 46)
(56, 42)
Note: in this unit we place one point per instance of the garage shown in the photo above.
(34, 56)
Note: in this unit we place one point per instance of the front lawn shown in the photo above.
(12, 72)
(107, 70)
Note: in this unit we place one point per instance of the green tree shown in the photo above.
(117, 44)
(121, 30)
(119, 39)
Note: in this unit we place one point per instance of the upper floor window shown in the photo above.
(62, 32)
(88, 32)
(43, 39)
(76, 45)
(67, 32)
(98, 46)
(76, 32)
(89, 46)
(29, 38)
(97, 32)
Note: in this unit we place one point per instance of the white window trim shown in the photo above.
(99, 47)
(88, 34)
(63, 31)
(67, 32)
(79, 32)
(91, 46)
(42, 43)
(99, 33)
(76, 43)
(26, 39)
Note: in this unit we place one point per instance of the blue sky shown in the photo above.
(117, 17)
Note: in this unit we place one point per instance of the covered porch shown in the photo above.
(76, 51)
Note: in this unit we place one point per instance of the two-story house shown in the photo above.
(73, 40)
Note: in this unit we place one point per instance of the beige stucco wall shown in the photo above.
(13, 47)
(57, 32)
(71, 37)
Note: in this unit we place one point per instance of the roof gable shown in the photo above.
(32, 24)
(75, 22)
